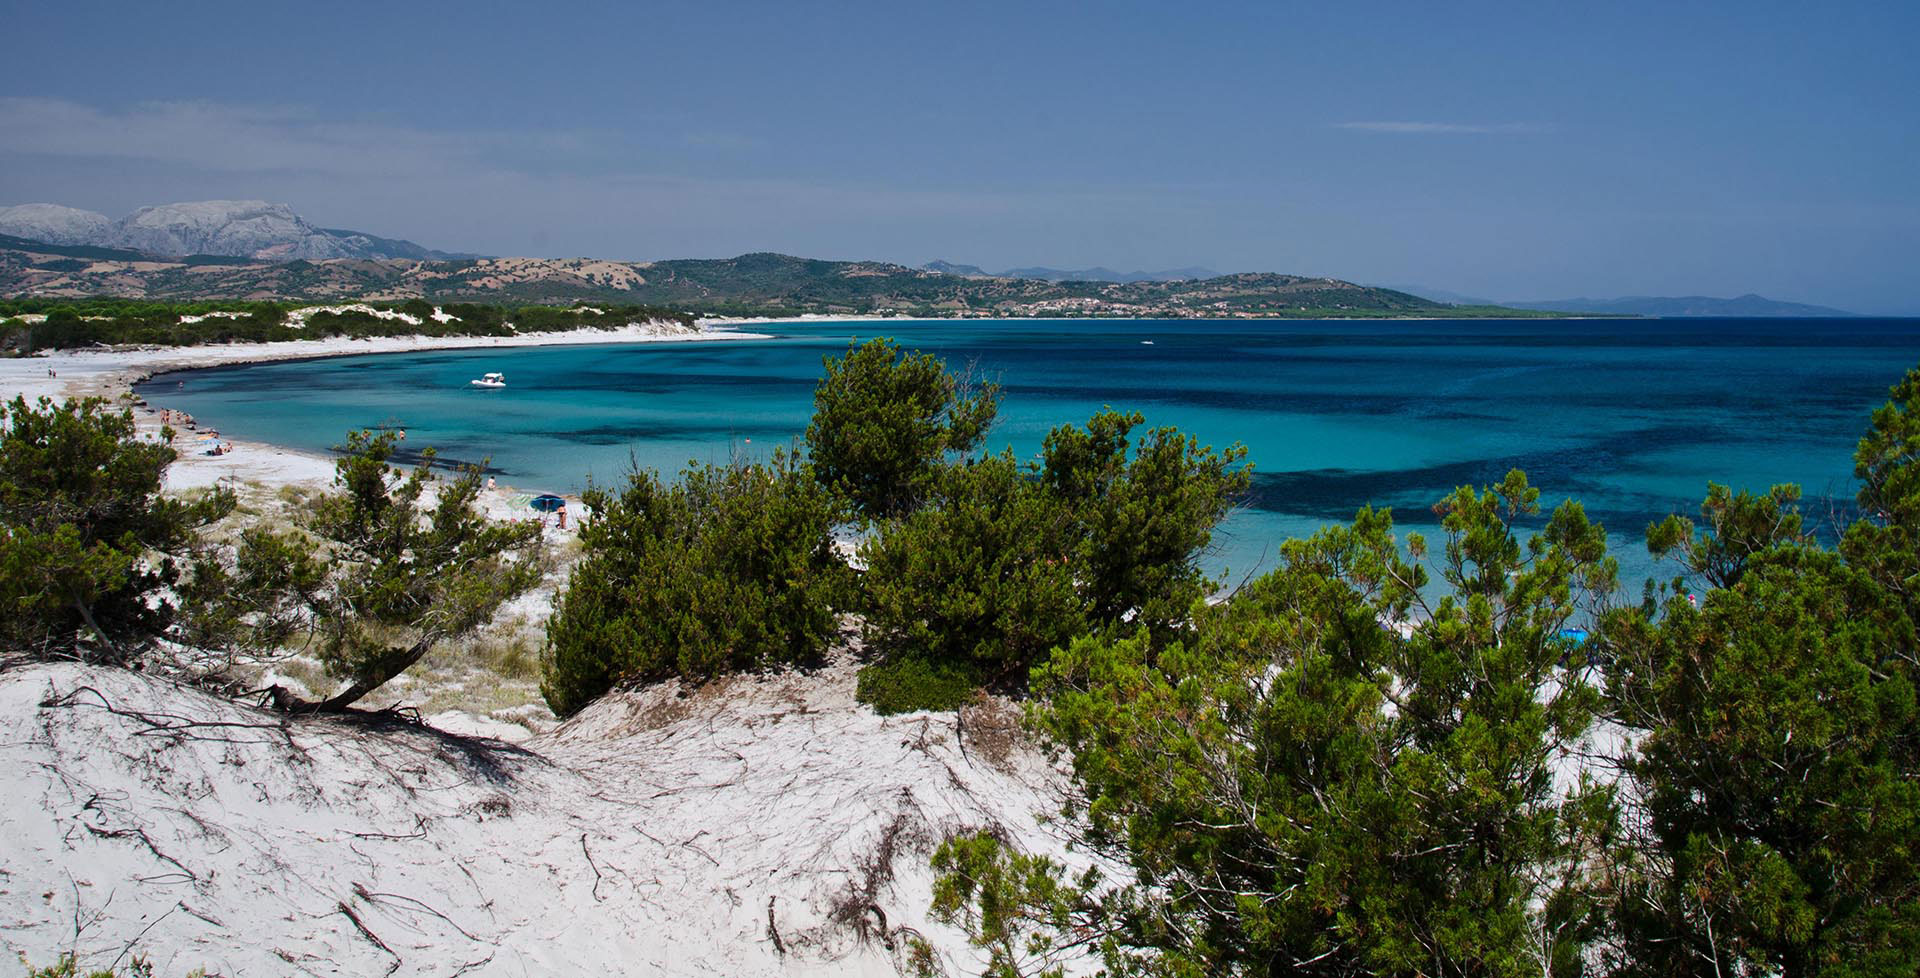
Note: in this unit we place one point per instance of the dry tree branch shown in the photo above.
(773, 931)
(161, 723)
(371, 936)
(360, 890)
(596, 869)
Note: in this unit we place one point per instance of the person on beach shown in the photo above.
(489, 483)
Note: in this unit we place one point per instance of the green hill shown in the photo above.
(759, 284)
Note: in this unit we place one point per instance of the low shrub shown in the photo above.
(68, 966)
(1006, 561)
(907, 683)
(91, 549)
(731, 569)
(983, 575)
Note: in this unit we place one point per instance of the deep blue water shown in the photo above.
(1632, 417)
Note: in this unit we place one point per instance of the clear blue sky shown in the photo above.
(1527, 150)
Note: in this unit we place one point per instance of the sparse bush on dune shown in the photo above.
(68, 966)
(1142, 518)
(1006, 562)
(90, 549)
(980, 579)
(96, 562)
(732, 568)
(377, 576)
(903, 684)
(885, 423)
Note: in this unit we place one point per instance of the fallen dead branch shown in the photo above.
(773, 931)
(372, 896)
(596, 869)
(420, 832)
(371, 936)
(162, 723)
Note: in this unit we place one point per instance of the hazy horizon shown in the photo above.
(1509, 151)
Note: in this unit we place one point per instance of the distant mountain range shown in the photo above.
(1095, 274)
(1748, 306)
(252, 236)
(253, 229)
(50, 242)
(1440, 295)
(750, 285)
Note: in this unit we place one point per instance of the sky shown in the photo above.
(1511, 151)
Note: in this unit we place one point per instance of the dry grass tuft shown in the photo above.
(990, 726)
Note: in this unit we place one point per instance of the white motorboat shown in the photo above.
(494, 381)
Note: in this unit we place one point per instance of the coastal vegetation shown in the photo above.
(732, 568)
(974, 584)
(972, 568)
(34, 325)
(379, 572)
(1008, 560)
(885, 423)
(1725, 783)
(92, 550)
(1298, 788)
(99, 564)
(1389, 756)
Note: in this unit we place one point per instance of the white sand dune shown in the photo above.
(755, 826)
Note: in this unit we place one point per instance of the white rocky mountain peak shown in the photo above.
(54, 224)
(253, 228)
(239, 228)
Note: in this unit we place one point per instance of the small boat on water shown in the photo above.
(1146, 342)
(494, 381)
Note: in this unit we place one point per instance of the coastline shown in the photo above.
(110, 374)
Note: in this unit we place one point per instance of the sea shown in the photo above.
(1633, 418)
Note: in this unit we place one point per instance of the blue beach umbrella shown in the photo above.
(547, 503)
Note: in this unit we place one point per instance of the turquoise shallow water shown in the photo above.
(1631, 417)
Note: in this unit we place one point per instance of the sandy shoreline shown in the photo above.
(111, 373)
